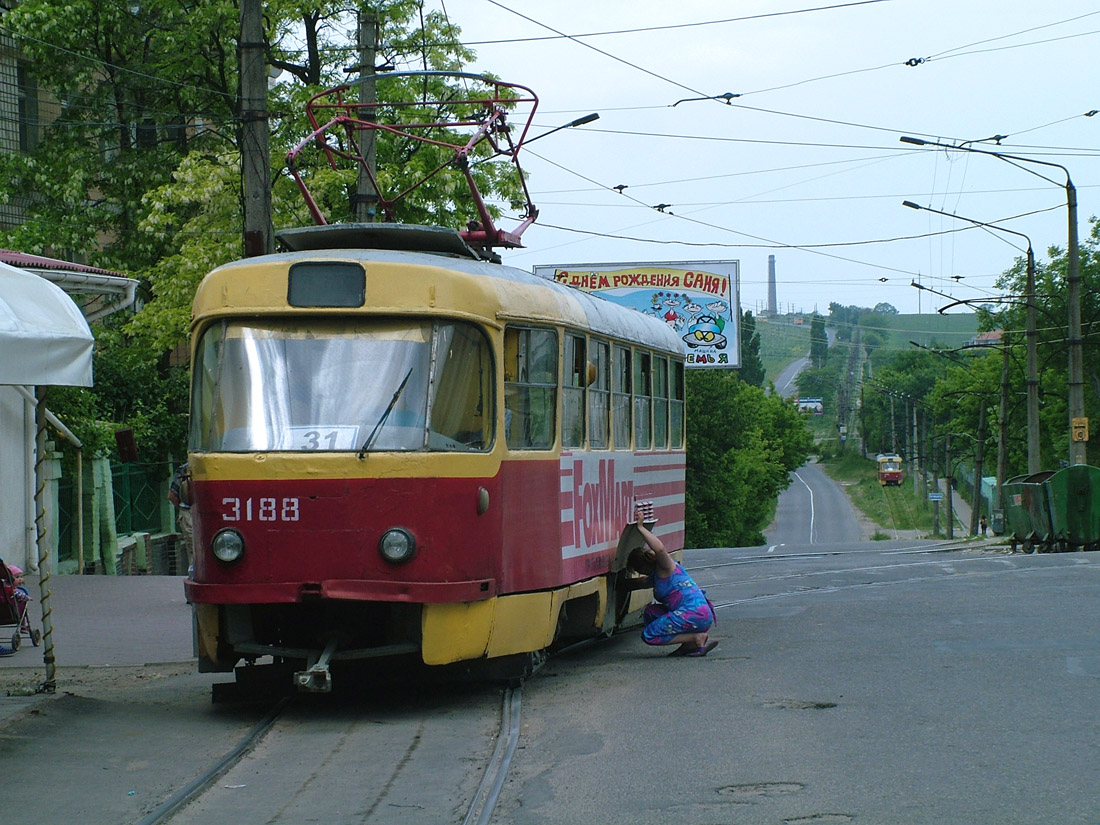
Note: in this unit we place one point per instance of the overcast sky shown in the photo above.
(806, 164)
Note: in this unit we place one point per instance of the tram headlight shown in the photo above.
(397, 545)
(227, 545)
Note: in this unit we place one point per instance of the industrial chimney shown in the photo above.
(772, 309)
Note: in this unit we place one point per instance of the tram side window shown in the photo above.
(620, 399)
(676, 406)
(573, 383)
(643, 391)
(660, 403)
(530, 387)
(599, 395)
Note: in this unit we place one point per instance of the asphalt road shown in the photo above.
(785, 381)
(855, 681)
(870, 685)
(814, 510)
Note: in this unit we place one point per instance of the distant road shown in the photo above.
(813, 510)
(785, 382)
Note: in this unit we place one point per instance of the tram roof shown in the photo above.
(514, 287)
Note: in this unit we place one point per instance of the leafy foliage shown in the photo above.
(139, 169)
(819, 341)
(741, 446)
(752, 367)
(1052, 345)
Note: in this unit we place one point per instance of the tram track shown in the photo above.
(945, 569)
(772, 558)
(311, 759)
(401, 739)
(891, 508)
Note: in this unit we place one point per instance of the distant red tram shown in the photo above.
(890, 471)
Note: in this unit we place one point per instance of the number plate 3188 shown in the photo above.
(260, 509)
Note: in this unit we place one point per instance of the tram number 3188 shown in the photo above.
(260, 509)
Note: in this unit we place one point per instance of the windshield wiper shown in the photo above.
(385, 415)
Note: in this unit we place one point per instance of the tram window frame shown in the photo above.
(643, 400)
(573, 396)
(599, 395)
(530, 365)
(660, 402)
(676, 406)
(621, 402)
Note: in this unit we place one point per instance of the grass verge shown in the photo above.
(891, 508)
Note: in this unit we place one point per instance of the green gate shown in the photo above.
(137, 490)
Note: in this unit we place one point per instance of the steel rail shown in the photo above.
(488, 792)
(179, 799)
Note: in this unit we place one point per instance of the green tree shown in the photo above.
(819, 341)
(900, 380)
(752, 366)
(1051, 293)
(742, 445)
(140, 170)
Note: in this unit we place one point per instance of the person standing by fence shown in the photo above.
(179, 493)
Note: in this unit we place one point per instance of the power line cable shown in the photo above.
(670, 27)
(598, 51)
(728, 96)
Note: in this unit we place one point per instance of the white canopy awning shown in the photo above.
(44, 339)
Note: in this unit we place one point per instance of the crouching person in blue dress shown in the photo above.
(682, 614)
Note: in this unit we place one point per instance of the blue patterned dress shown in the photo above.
(681, 607)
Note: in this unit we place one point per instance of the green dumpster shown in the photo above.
(1075, 516)
(1027, 510)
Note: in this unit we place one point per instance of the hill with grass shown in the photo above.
(784, 339)
(927, 329)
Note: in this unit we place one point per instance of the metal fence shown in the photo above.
(138, 491)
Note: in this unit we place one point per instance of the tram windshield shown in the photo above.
(342, 385)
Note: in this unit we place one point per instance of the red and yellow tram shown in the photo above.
(890, 470)
(402, 450)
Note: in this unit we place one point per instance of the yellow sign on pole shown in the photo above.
(1080, 429)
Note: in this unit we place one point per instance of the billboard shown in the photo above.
(700, 300)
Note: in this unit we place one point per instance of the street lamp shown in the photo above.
(1032, 356)
(1078, 423)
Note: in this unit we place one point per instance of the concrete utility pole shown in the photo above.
(976, 499)
(1078, 422)
(1002, 437)
(1033, 461)
(366, 196)
(255, 140)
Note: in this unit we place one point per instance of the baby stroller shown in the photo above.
(14, 604)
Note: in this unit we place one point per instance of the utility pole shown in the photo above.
(913, 450)
(1033, 462)
(1002, 437)
(977, 499)
(948, 476)
(1078, 422)
(366, 195)
(255, 140)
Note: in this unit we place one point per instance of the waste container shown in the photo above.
(997, 522)
(1075, 517)
(1027, 510)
